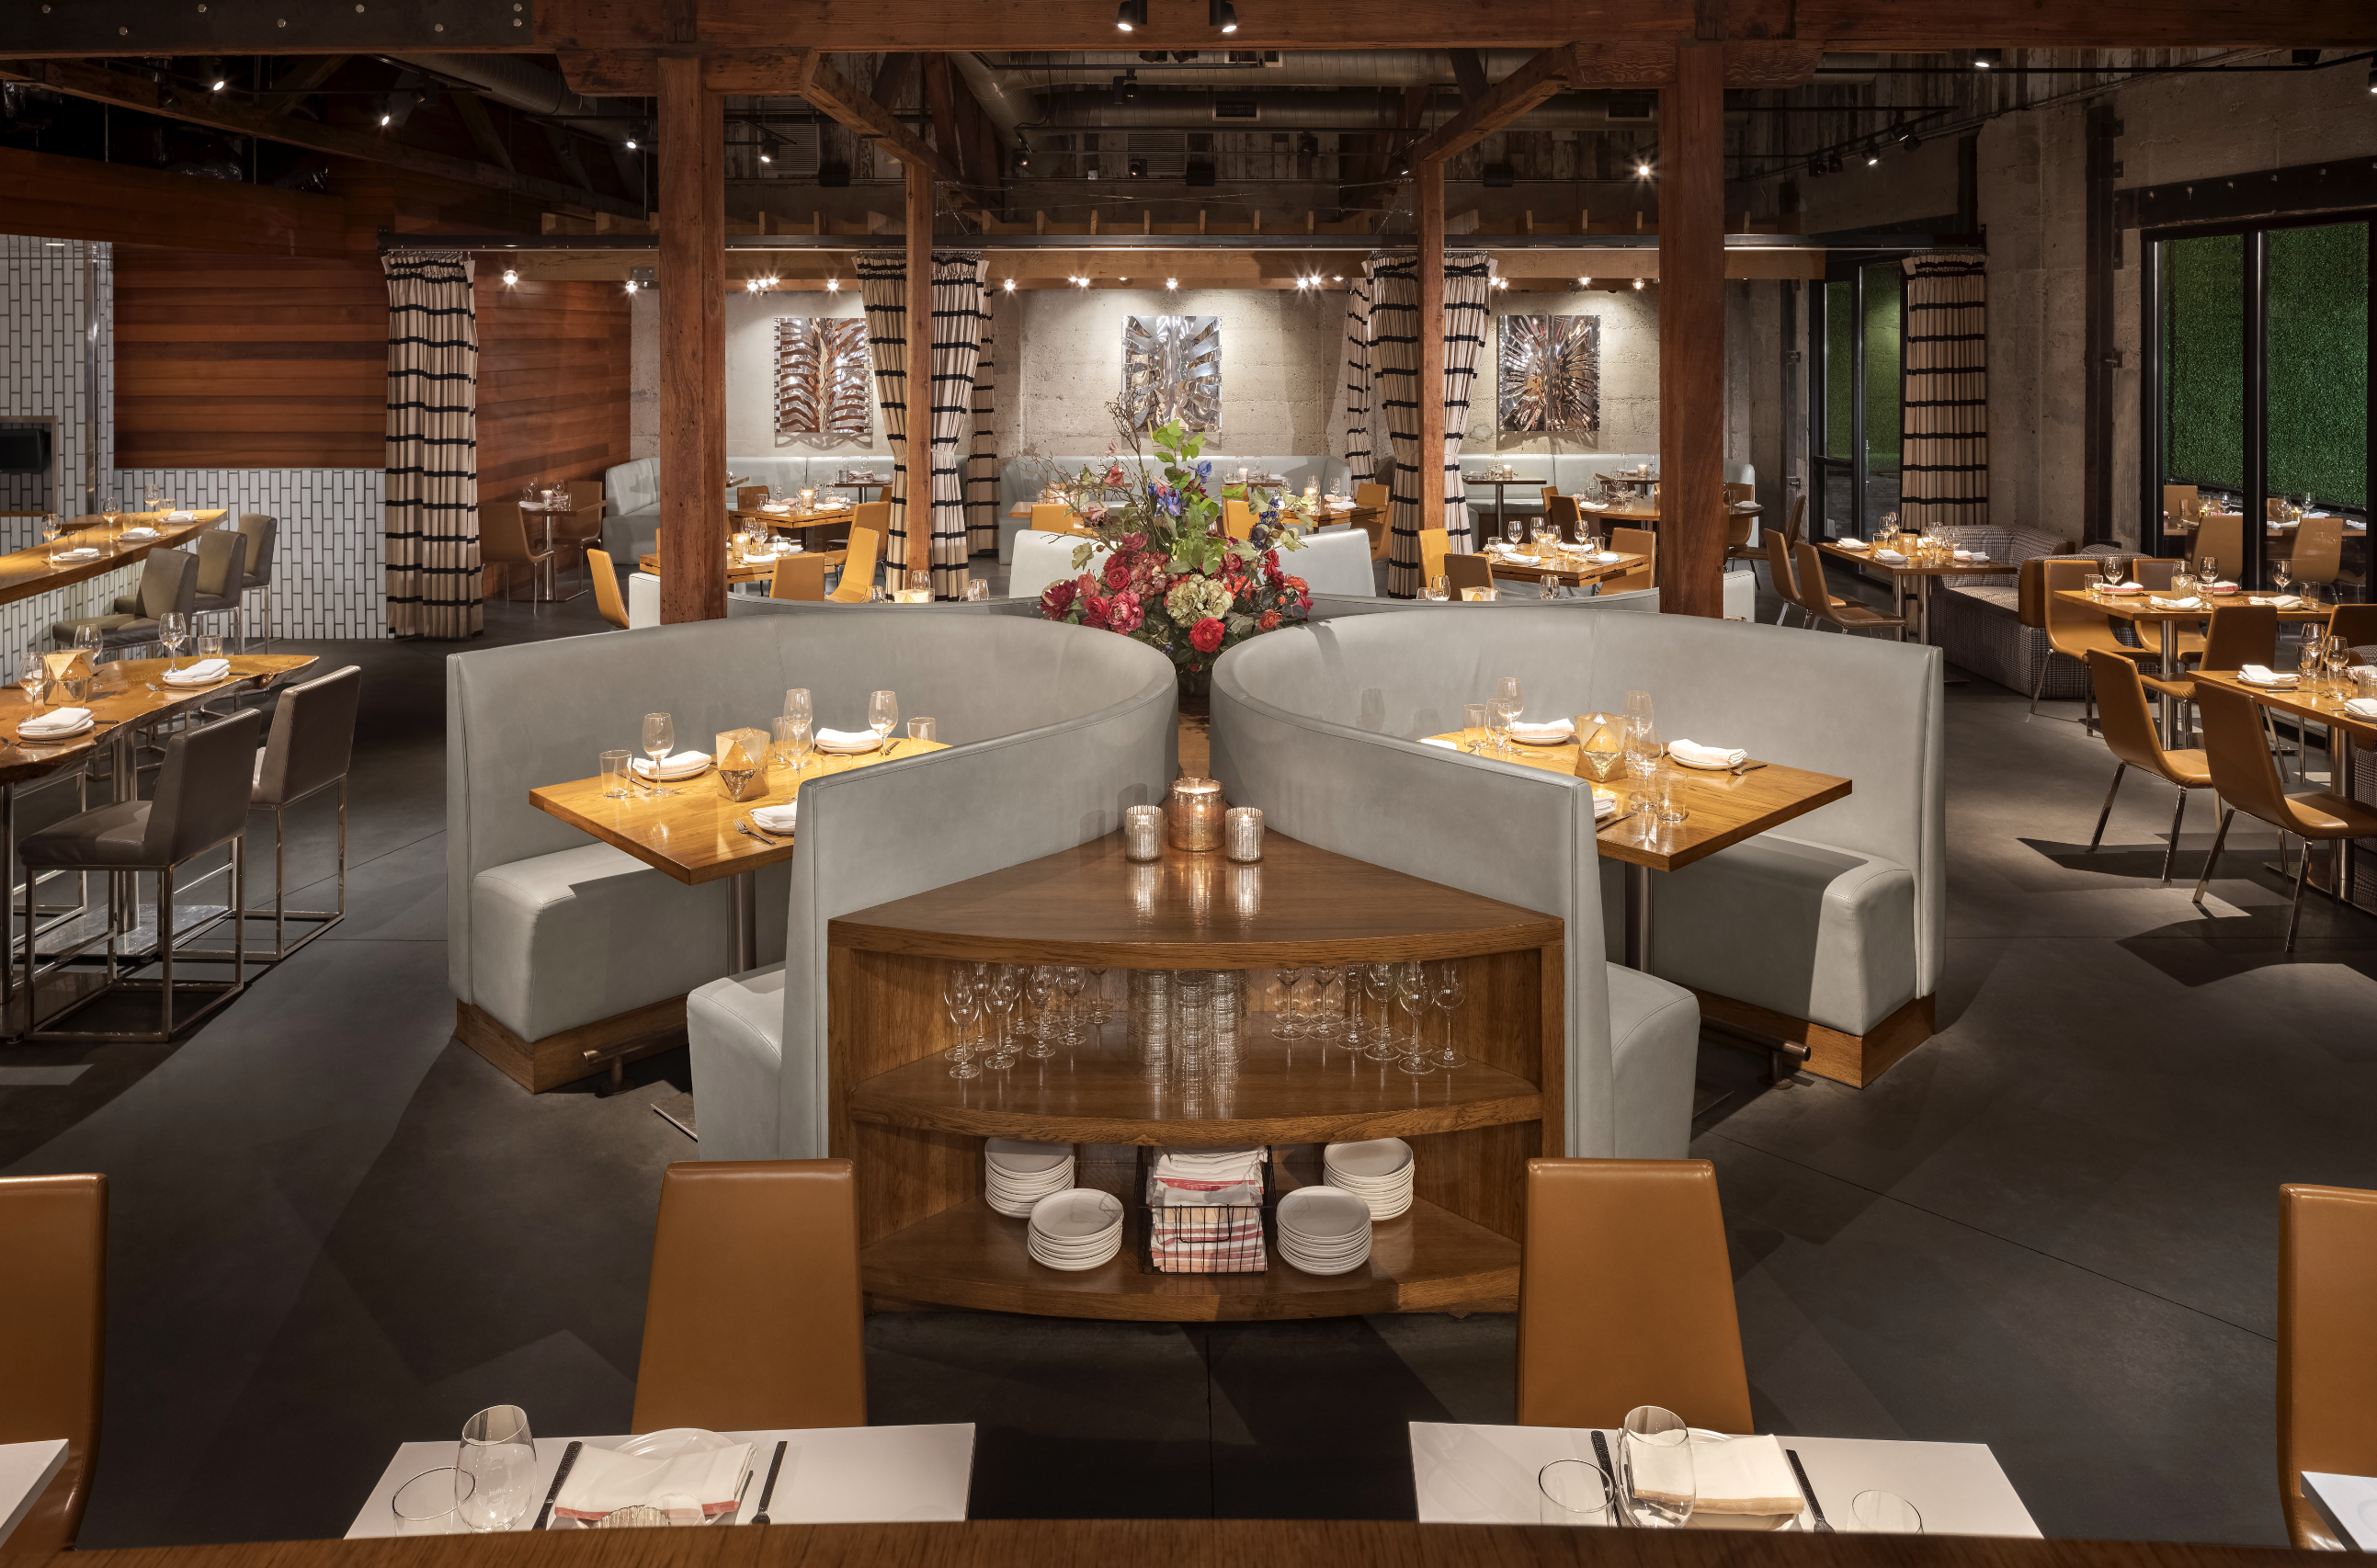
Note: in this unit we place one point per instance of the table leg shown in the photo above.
(743, 896)
(2167, 707)
(1637, 880)
(1923, 609)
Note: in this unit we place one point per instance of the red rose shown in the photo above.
(1294, 584)
(1206, 635)
(1270, 561)
(1094, 611)
(1305, 603)
(1055, 600)
(1117, 572)
(1268, 621)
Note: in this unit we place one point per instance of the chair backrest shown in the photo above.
(1374, 497)
(1734, 493)
(1627, 1252)
(586, 498)
(169, 582)
(2243, 771)
(2129, 726)
(1562, 511)
(2065, 576)
(1633, 541)
(2222, 537)
(2327, 1357)
(2175, 500)
(873, 516)
(2355, 625)
(1053, 517)
(2242, 635)
(748, 496)
(1435, 548)
(1237, 519)
(1468, 571)
(858, 567)
(2319, 549)
(502, 533)
(54, 1232)
(799, 577)
(223, 562)
(754, 1318)
(1808, 582)
(263, 531)
(1797, 527)
(2153, 572)
(606, 576)
(203, 787)
(1779, 566)
(312, 738)
(1736, 528)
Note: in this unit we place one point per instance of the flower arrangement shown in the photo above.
(1173, 578)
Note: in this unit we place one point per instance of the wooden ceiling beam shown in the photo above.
(301, 82)
(1522, 90)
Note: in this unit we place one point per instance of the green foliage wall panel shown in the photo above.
(2204, 362)
(1840, 345)
(1883, 395)
(2319, 364)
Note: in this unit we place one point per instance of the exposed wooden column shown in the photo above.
(1428, 195)
(693, 344)
(918, 555)
(1691, 334)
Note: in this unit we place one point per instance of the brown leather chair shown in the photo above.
(754, 1319)
(1435, 548)
(857, 581)
(1562, 513)
(2221, 535)
(1376, 498)
(1795, 528)
(505, 541)
(1626, 1297)
(2319, 551)
(2176, 499)
(54, 1232)
(1740, 519)
(2327, 1357)
(2241, 635)
(802, 576)
(2246, 776)
(2129, 731)
(1633, 541)
(1822, 608)
(1464, 570)
(1784, 577)
(606, 576)
(2074, 630)
(2353, 625)
(749, 497)
(306, 752)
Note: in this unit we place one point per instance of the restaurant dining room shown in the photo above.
(1577, 770)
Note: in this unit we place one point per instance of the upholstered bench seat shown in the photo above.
(1655, 1033)
(736, 1029)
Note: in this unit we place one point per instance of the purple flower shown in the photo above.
(1204, 471)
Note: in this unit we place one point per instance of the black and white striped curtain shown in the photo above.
(1945, 430)
(981, 466)
(1394, 344)
(432, 484)
(1359, 383)
(958, 321)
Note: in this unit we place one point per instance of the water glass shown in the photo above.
(1656, 1453)
(796, 704)
(1638, 706)
(31, 677)
(1474, 716)
(921, 729)
(1885, 1513)
(1439, 587)
(615, 776)
(976, 591)
(1573, 1492)
(210, 647)
(424, 1505)
(1498, 714)
(499, 1456)
(1675, 785)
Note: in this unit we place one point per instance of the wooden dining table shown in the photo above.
(26, 572)
(738, 570)
(1570, 571)
(2142, 610)
(1922, 573)
(2346, 731)
(801, 522)
(1721, 808)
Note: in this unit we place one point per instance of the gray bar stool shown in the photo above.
(201, 804)
(222, 568)
(169, 582)
(313, 735)
(262, 530)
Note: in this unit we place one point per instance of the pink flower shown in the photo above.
(1270, 621)
(1123, 613)
(1206, 635)
(1055, 600)
(1114, 474)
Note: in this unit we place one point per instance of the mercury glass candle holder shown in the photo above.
(1192, 817)
(1142, 832)
(1242, 834)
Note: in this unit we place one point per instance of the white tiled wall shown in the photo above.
(42, 287)
(326, 577)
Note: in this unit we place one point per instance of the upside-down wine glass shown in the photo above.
(1069, 980)
(1378, 986)
(1451, 989)
(499, 1456)
(660, 739)
(958, 997)
(1039, 987)
(1006, 984)
(1281, 993)
(1412, 1000)
(1656, 1450)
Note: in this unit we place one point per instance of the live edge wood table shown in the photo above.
(24, 573)
(916, 1134)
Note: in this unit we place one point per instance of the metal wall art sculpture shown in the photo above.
(824, 376)
(1551, 373)
(1172, 369)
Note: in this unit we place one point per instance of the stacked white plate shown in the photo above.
(1378, 1171)
(1076, 1229)
(1323, 1230)
(1016, 1174)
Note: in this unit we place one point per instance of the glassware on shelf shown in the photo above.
(964, 1010)
(1412, 1000)
(1285, 1023)
(1006, 985)
(1377, 988)
(1451, 989)
(1070, 980)
(1304, 1002)
(1039, 989)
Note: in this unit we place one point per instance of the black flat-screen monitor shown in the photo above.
(24, 451)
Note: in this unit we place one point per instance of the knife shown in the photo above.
(1823, 1526)
(568, 1457)
(767, 1491)
(1617, 1505)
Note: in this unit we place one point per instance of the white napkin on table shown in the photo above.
(675, 767)
(2262, 675)
(1696, 756)
(1963, 555)
(1558, 729)
(1852, 543)
(140, 533)
(1891, 556)
(1519, 560)
(1735, 1475)
(776, 819)
(2362, 707)
(604, 1481)
(1438, 740)
(181, 517)
(2159, 603)
(55, 722)
(206, 672)
(1606, 558)
(848, 740)
(79, 553)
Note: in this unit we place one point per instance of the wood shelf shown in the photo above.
(971, 1255)
(1284, 1092)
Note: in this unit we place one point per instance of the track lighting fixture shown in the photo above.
(1222, 16)
(766, 158)
(1872, 153)
(1125, 87)
(1832, 166)
(1131, 14)
(1138, 168)
(631, 141)
(1816, 167)
(218, 85)
(1022, 151)
(511, 276)
(833, 285)
(1642, 168)
(1987, 59)
(1908, 141)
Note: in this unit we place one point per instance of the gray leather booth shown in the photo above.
(1052, 730)
(631, 492)
(739, 605)
(1837, 917)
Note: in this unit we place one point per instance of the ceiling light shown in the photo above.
(511, 276)
(1022, 151)
(750, 285)
(1833, 164)
(383, 119)
(2373, 78)
(1171, 282)
(1302, 283)
(1642, 168)
(1637, 282)
(632, 143)
(1872, 153)
(1909, 141)
(1585, 282)
(1338, 278)
(217, 85)
(1011, 285)
(631, 285)
(1816, 167)
(833, 285)
(765, 159)
(1137, 168)
(1222, 16)
(1131, 14)
(1985, 59)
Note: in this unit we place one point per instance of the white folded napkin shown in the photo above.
(140, 533)
(2262, 675)
(1438, 740)
(1696, 756)
(2362, 707)
(1604, 802)
(1519, 560)
(57, 721)
(1891, 556)
(1853, 544)
(776, 819)
(1963, 555)
(1742, 1475)
(675, 767)
(80, 552)
(1558, 729)
(603, 1481)
(206, 672)
(181, 517)
(847, 740)
(2159, 603)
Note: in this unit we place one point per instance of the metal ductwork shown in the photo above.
(1006, 108)
(1018, 74)
(1292, 111)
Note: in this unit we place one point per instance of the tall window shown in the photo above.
(2204, 362)
(1856, 406)
(2318, 406)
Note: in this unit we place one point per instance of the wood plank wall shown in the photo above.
(553, 380)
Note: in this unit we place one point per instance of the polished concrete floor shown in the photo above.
(2052, 1229)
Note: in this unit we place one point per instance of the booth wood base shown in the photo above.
(1853, 1059)
(539, 1065)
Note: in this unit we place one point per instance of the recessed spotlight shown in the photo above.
(1986, 59)
(385, 119)
(1642, 169)
(1171, 282)
(1011, 285)
(833, 285)
(632, 144)
(1637, 282)
(1222, 16)
(217, 85)
(1131, 14)
(511, 276)
(631, 285)
(766, 159)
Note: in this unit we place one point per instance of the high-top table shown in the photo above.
(24, 573)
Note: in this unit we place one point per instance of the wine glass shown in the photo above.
(174, 631)
(2112, 569)
(958, 999)
(1576, 1492)
(796, 704)
(1329, 1005)
(1412, 1000)
(1378, 986)
(1656, 1450)
(499, 1456)
(1006, 985)
(1069, 980)
(1885, 1513)
(2282, 572)
(1638, 706)
(882, 713)
(2207, 568)
(660, 739)
(52, 526)
(1452, 990)
(109, 511)
(1507, 688)
(1303, 1002)
(1286, 1023)
(87, 643)
(2314, 642)
(1039, 986)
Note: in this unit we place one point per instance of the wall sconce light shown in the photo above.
(1637, 282)
(1011, 285)
(511, 276)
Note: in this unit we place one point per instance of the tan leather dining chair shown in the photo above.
(2075, 631)
(1373, 496)
(1435, 549)
(2327, 1354)
(754, 1320)
(2241, 635)
(801, 576)
(2319, 551)
(857, 583)
(749, 497)
(2129, 731)
(1633, 541)
(53, 1233)
(2245, 776)
(1795, 527)
(606, 576)
(1824, 609)
(2221, 536)
(1374, 499)
(1738, 521)
(2177, 498)
(1237, 519)
(1464, 570)
(2355, 625)
(504, 542)
(1627, 1254)
(1784, 577)
(1052, 517)
(1561, 512)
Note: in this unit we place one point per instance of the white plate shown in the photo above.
(1016, 1157)
(1077, 1214)
(1077, 1265)
(1317, 1266)
(39, 737)
(1372, 1159)
(1702, 766)
(850, 750)
(1323, 1214)
(673, 1443)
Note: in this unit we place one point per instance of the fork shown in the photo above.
(745, 827)
(1747, 768)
